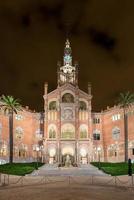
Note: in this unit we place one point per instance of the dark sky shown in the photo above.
(32, 36)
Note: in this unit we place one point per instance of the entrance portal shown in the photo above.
(67, 160)
(67, 156)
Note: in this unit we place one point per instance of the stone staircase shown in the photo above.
(50, 166)
(81, 170)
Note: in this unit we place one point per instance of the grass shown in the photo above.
(115, 169)
(19, 169)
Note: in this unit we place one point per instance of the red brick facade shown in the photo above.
(68, 126)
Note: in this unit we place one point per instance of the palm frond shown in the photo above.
(125, 99)
(10, 104)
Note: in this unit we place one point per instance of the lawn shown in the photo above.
(19, 169)
(115, 169)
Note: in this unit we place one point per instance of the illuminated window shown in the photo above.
(116, 117)
(68, 131)
(23, 150)
(83, 131)
(3, 148)
(52, 133)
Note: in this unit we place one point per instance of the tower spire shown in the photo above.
(67, 73)
(67, 59)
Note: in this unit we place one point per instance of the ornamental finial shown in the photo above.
(67, 43)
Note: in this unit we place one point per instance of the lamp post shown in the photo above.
(41, 147)
(42, 150)
(99, 151)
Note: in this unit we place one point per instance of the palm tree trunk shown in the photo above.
(126, 135)
(11, 137)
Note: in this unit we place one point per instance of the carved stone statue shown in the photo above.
(67, 161)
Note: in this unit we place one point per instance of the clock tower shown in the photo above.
(67, 73)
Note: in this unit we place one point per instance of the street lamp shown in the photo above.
(41, 147)
(42, 150)
(99, 151)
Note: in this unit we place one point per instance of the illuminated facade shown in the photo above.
(68, 127)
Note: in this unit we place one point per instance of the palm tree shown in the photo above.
(125, 101)
(10, 105)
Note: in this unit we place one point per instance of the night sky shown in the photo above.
(32, 37)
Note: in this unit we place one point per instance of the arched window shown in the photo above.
(115, 133)
(3, 148)
(67, 98)
(19, 132)
(52, 105)
(68, 131)
(83, 131)
(112, 150)
(23, 149)
(82, 105)
(96, 135)
(52, 131)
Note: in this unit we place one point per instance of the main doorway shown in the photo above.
(67, 156)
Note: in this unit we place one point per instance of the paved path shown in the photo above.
(82, 170)
(62, 191)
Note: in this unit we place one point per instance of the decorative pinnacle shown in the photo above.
(67, 43)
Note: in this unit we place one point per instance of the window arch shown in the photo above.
(83, 131)
(116, 133)
(68, 98)
(68, 131)
(82, 105)
(52, 105)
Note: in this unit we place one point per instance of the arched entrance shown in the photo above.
(83, 155)
(67, 156)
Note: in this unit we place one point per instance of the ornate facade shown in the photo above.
(68, 127)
